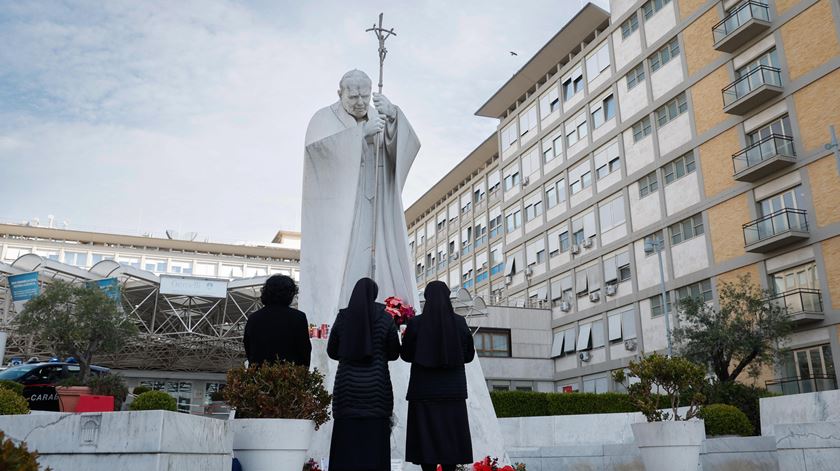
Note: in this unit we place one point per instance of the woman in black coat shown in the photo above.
(363, 340)
(437, 344)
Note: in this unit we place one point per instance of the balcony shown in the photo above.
(796, 385)
(740, 26)
(776, 230)
(751, 90)
(803, 305)
(763, 158)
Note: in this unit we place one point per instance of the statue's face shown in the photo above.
(355, 97)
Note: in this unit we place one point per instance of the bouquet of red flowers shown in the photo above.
(399, 310)
(492, 464)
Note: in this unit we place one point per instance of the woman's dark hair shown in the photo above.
(278, 290)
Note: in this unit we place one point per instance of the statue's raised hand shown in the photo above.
(375, 124)
(384, 106)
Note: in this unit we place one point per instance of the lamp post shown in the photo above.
(655, 244)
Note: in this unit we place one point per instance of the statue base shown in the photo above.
(484, 427)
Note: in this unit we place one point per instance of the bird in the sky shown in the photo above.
(513, 53)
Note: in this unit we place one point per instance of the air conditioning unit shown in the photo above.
(584, 356)
(526, 181)
(508, 279)
(587, 243)
(595, 297)
(484, 265)
(529, 271)
(565, 306)
(576, 249)
(612, 289)
(630, 345)
(455, 256)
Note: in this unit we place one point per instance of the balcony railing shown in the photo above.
(757, 86)
(764, 157)
(802, 304)
(775, 230)
(741, 25)
(796, 385)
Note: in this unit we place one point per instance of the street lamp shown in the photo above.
(655, 244)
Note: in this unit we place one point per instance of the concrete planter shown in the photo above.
(68, 396)
(670, 445)
(271, 444)
(147, 440)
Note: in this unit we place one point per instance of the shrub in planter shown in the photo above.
(675, 377)
(12, 385)
(723, 419)
(154, 400)
(12, 403)
(17, 457)
(140, 390)
(278, 391)
(109, 385)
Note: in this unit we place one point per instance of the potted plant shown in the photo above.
(278, 407)
(78, 320)
(667, 441)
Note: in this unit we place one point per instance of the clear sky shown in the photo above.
(141, 116)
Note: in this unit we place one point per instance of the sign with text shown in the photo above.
(109, 286)
(24, 286)
(191, 286)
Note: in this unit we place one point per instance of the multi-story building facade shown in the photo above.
(697, 127)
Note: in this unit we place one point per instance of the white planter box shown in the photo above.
(670, 445)
(148, 440)
(271, 444)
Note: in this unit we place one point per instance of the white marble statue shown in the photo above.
(337, 234)
(338, 200)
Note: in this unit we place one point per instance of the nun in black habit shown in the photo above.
(437, 343)
(363, 340)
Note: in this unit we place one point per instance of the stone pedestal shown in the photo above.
(484, 427)
(148, 440)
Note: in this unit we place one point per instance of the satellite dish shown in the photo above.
(479, 304)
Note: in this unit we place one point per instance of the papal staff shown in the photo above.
(381, 34)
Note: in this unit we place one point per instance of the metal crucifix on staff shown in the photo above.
(381, 34)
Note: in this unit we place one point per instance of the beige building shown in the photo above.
(700, 127)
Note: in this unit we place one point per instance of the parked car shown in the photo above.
(39, 381)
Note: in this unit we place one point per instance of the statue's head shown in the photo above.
(354, 91)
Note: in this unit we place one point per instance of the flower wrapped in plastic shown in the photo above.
(399, 310)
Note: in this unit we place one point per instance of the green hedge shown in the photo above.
(531, 404)
(746, 398)
(723, 419)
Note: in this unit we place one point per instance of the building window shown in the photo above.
(492, 342)
(635, 76)
(129, 261)
(769, 59)
(512, 180)
(598, 62)
(669, 111)
(573, 84)
(686, 229)
(629, 26)
(648, 184)
(533, 210)
(656, 240)
(611, 214)
(509, 136)
(679, 167)
(641, 129)
(528, 121)
(78, 259)
(550, 102)
(576, 132)
(622, 325)
(98, 257)
(603, 112)
(779, 127)
(664, 55)
(652, 6)
(495, 225)
(564, 241)
(656, 305)
(513, 221)
(157, 266)
(613, 165)
(701, 290)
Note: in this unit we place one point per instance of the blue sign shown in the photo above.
(110, 286)
(24, 286)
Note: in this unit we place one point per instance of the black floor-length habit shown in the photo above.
(437, 344)
(363, 340)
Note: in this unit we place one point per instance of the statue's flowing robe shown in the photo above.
(337, 211)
